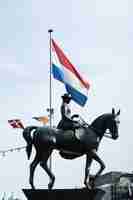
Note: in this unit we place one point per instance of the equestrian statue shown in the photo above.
(72, 139)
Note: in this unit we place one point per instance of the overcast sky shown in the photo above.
(97, 36)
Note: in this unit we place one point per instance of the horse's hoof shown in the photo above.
(50, 185)
(89, 187)
(33, 187)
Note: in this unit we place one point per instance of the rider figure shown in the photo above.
(66, 122)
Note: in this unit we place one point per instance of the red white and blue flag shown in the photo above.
(64, 71)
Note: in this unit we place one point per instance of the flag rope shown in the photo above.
(11, 150)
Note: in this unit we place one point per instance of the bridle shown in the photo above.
(108, 134)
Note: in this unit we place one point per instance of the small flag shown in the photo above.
(64, 71)
(16, 123)
(43, 119)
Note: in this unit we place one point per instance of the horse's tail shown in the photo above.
(28, 139)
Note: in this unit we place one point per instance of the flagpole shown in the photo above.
(50, 88)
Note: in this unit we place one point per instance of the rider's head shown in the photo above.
(66, 98)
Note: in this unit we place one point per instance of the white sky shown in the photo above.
(97, 36)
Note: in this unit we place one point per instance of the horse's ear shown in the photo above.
(118, 113)
(113, 111)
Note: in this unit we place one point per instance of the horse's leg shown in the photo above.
(98, 159)
(89, 157)
(44, 165)
(87, 170)
(32, 170)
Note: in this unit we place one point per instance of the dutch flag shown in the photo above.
(65, 72)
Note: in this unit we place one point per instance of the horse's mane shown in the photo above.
(99, 118)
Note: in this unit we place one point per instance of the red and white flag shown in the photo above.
(16, 123)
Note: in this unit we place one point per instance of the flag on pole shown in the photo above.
(16, 123)
(43, 119)
(64, 71)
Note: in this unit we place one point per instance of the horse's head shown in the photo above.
(112, 123)
(107, 122)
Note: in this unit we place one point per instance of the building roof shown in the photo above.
(112, 178)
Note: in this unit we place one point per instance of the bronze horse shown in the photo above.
(84, 141)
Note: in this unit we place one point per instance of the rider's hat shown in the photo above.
(66, 96)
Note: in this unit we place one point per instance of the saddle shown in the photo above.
(75, 134)
(85, 136)
(82, 134)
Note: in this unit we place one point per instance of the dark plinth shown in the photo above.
(64, 194)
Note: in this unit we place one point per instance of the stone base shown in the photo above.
(64, 194)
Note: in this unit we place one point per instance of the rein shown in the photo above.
(107, 135)
(98, 132)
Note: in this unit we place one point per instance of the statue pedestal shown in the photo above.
(64, 194)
